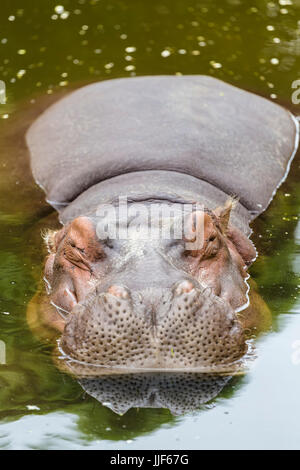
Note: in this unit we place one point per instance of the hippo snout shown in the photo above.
(182, 327)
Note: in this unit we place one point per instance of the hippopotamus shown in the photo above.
(205, 155)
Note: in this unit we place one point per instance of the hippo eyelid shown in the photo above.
(74, 256)
(73, 245)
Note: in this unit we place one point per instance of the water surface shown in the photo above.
(46, 50)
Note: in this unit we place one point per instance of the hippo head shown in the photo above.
(151, 303)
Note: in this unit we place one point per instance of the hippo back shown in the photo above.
(237, 141)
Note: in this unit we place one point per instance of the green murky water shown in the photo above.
(46, 49)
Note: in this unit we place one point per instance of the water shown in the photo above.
(45, 50)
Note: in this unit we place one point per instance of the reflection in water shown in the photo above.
(235, 41)
(178, 392)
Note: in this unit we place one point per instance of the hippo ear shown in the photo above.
(241, 242)
(49, 239)
(223, 213)
(52, 238)
(243, 245)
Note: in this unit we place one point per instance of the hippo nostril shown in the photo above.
(118, 291)
(185, 287)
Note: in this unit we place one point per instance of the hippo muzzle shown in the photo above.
(183, 327)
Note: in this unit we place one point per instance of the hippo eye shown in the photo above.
(212, 246)
(81, 250)
(76, 256)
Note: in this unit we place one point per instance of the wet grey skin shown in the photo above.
(143, 304)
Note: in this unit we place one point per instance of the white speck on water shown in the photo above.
(284, 11)
(215, 65)
(54, 17)
(5, 116)
(107, 429)
(274, 61)
(97, 51)
(123, 36)
(65, 15)
(32, 408)
(21, 73)
(59, 9)
(22, 51)
(276, 40)
(109, 66)
(5, 313)
(129, 68)
(11, 18)
(270, 27)
(130, 49)
(4, 41)
(273, 96)
(182, 51)
(165, 53)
